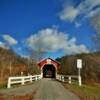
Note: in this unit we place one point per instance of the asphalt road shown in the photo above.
(46, 89)
(49, 89)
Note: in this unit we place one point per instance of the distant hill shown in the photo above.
(91, 66)
(12, 65)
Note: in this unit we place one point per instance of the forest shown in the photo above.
(12, 64)
(90, 66)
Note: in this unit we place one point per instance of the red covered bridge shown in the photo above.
(49, 67)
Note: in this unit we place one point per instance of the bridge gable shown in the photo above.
(49, 61)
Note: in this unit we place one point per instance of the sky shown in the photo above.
(55, 27)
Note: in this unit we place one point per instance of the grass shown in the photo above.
(3, 86)
(24, 96)
(85, 92)
(27, 96)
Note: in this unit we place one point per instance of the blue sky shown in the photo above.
(65, 25)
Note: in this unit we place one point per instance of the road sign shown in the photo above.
(79, 63)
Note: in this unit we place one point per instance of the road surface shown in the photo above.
(49, 89)
(45, 89)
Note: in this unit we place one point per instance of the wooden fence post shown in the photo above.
(69, 80)
(62, 78)
(9, 83)
(36, 78)
(22, 80)
(79, 80)
(31, 79)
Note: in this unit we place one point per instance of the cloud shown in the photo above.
(89, 7)
(10, 40)
(3, 45)
(51, 40)
(69, 13)
(93, 3)
(77, 24)
(47, 39)
(93, 13)
(86, 9)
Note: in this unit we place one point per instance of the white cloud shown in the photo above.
(47, 39)
(93, 13)
(93, 2)
(3, 45)
(85, 8)
(77, 24)
(52, 40)
(69, 13)
(10, 40)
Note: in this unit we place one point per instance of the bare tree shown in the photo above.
(2, 64)
(37, 54)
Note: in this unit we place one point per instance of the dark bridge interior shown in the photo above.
(49, 71)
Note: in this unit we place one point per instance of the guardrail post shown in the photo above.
(31, 79)
(62, 78)
(39, 77)
(59, 77)
(69, 80)
(79, 80)
(36, 78)
(22, 80)
(9, 83)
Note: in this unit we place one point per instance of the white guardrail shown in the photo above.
(63, 78)
(22, 79)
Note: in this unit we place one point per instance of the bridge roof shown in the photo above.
(48, 61)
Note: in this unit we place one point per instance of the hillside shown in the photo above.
(91, 66)
(12, 65)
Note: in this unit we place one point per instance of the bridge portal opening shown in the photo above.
(49, 71)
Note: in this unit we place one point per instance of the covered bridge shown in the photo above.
(49, 68)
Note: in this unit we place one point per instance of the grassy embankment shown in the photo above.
(3, 85)
(23, 96)
(85, 92)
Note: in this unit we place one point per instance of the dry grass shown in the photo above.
(2, 97)
(28, 96)
(85, 92)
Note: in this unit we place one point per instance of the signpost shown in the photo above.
(79, 66)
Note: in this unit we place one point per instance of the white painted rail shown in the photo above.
(63, 78)
(22, 79)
